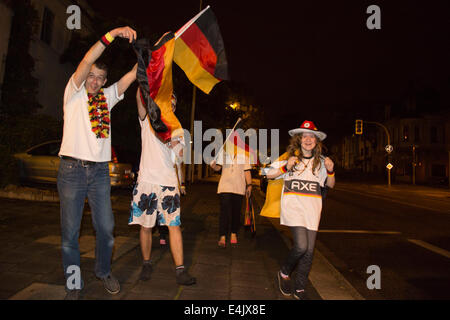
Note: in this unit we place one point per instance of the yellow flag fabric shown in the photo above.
(272, 208)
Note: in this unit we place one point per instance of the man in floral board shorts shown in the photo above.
(156, 196)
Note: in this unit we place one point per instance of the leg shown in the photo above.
(176, 245)
(225, 213)
(99, 196)
(145, 236)
(236, 215)
(295, 254)
(72, 193)
(305, 262)
(146, 248)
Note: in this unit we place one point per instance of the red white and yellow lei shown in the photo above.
(99, 114)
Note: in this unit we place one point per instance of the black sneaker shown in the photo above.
(111, 284)
(299, 294)
(72, 294)
(185, 278)
(284, 284)
(146, 271)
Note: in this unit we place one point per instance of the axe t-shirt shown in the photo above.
(301, 199)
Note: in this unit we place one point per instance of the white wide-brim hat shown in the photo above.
(308, 126)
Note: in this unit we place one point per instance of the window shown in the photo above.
(47, 26)
(48, 149)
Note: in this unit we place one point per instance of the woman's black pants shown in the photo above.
(300, 256)
(230, 213)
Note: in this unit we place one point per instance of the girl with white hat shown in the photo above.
(305, 173)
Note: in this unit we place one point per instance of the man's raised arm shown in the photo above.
(96, 51)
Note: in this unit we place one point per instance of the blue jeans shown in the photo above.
(77, 180)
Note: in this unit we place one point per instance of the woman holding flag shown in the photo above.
(304, 173)
(234, 183)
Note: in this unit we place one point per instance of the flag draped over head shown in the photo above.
(154, 75)
(200, 52)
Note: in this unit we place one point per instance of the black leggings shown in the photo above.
(300, 256)
(230, 209)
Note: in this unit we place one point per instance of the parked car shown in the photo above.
(40, 164)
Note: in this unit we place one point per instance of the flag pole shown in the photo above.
(232, 130)
(191, 168)
(187, 25)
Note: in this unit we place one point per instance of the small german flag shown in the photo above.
(154, 75)
(200, 52)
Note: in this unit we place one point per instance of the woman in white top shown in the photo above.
(305, 173)
(235, 182)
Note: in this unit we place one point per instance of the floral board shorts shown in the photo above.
(153, 203)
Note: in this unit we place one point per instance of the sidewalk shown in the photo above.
(31, 269)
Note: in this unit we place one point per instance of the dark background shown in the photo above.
(318, 60)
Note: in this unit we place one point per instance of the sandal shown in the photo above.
(222, 243)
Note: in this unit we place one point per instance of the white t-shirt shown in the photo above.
(157, 159)
(79, 141)
(232, 179)
(301, 198)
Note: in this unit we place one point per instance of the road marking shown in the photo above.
(361, 231)
(430, 247)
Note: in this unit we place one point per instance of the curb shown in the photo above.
(21, 193)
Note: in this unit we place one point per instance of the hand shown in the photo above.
(124, 32)
(248, 191)
(329, 164)
(292, 161)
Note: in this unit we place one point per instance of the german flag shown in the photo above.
(200, 52)
(154, 75)
(272, 204)
(235, 145)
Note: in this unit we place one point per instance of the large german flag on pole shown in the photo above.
(200, 52)
(154, 75)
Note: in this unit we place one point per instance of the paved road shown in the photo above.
(411, 245)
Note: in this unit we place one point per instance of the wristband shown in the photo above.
(283, 169)
(107, 39)
(330, 173)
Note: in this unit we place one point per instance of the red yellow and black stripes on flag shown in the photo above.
(200, 51)
(154, 75)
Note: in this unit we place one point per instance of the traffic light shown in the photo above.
(359, 127)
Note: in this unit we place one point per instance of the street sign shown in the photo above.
(389, 166)
(389, 148)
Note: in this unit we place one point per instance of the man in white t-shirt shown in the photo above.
(156, 196)
(85, 153)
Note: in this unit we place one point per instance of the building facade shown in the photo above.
(421, 149)
(50, 40)
(51, 37)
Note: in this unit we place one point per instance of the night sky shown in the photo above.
(317, 60)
